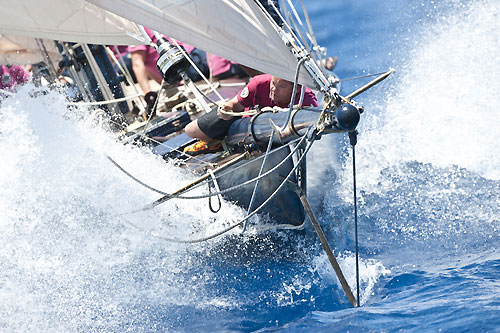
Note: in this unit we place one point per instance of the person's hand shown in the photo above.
(222, 115)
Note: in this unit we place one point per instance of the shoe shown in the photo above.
(201, 147)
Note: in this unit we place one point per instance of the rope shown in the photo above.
(204, 95)
(219, 197)
(169, 196)
(239, 114)
(275, 109)
(135, 179)
(232, 84)
(203, 239)
(256, 186)
(165, 193)
(153, 110)
(118, 100)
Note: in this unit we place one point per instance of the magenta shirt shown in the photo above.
(13, 76)
(217, 64)
(151, 54)
(257, 92)
(123, 49)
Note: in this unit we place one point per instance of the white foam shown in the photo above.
(443, 106)
(67, 257)
(370, 272)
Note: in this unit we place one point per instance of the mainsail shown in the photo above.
(233, 29)
(65, 20)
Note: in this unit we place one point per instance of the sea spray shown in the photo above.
(70, 260)
(427, 163)
(442, 109)
(75, 258)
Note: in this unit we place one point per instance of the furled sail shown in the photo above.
(65, 20)
(234, 29)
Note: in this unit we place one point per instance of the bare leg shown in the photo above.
(193, 130)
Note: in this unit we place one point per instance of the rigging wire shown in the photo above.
(198, 70)
(199, 240)
(292, 99)
(309, 34)
(295, 25)
(361, 77)
(169, 196)
(316, 47)
(285, 23)
(353, 140)
(256, 186)
(201, 184)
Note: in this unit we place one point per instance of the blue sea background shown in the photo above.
(428, 176)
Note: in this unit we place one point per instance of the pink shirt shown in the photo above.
(122, 49)
(11, 77)
(151, 54)
(257, 92)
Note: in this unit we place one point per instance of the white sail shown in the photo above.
(233, 29)
(25, 50)
(65, 20)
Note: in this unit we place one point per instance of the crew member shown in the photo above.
(262, 90)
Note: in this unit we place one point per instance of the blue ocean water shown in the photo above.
(428, 182)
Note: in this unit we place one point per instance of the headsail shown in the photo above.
(234, 29)
(65, 20)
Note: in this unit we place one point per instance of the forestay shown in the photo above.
(233, 29)
(65, 20)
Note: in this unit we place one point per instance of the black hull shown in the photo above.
(285, 207)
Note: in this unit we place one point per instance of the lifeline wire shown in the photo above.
(168, 197)
(256, 186)
(201, 184)
(183, 241)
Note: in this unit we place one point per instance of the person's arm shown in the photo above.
(231, 105)
(141, 73)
